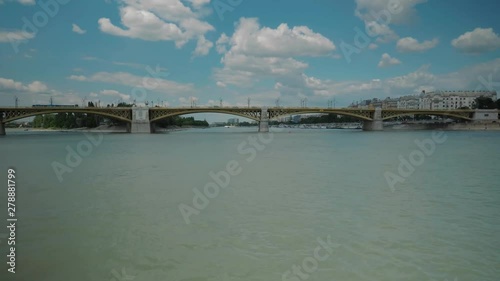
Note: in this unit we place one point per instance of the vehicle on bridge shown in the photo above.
(55, 105)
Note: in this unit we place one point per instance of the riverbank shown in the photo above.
(388, 127)
(447, 127)
(105, 129)
(102, 129)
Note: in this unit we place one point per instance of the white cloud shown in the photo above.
(203, 46)
(221, 43)
(372, 46)
(35, 92)
(154, 20)
(23, 2)
(254, 52)
(108, 95)
(409, 44)
(480, 40)
(130, 64)
(130, 80)
(89, 58)
(78, 30)
(250, 38)
(264, 65)
(78, 77)
(34, 87)
(15, 36)
(198, 3)
(476, 77)
(387, 60)
(403, 12)
(9, 84)
(37, 87)
(378, 15)
(382, 32)
(473, 77)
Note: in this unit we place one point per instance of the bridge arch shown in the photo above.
(462, 115)
(155, 117)
(359, 115)
(126, 115)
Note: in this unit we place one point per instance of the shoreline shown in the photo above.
(100, 129)
(445, 127)
(388, 127)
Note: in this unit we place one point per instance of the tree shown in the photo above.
(484, 103)
(498, 103)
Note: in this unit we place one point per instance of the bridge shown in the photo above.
(143, 119)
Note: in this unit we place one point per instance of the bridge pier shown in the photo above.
(264, 121)
(140, 121)
(2, 128)
(376, 124)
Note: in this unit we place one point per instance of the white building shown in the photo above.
(432, 100)
(233, 121)
(409, 102)
(444, 99)
(453, 99)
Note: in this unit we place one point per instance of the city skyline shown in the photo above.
(177, 52)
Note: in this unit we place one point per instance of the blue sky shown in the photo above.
(205, 50)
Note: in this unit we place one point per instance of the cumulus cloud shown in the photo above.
(409, 44)
(77, 77)
(154, 20)
(78, 30)
(34, 87)
(131, 80)
(203, 46)
(386, 60)
(478, 41)
(198, 3)
(254, 52)
(15, 36)
(477, 77)
(378, 15)
(35, 92)
(382, 32)
(23, 2)
(108, 95)
(250, 38)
